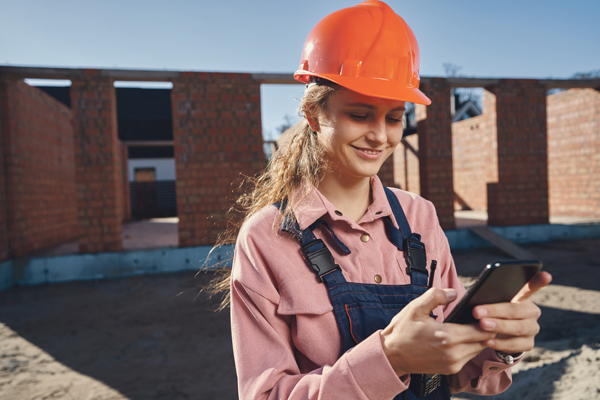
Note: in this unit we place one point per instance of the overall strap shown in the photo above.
(406, 241)
(316, 252)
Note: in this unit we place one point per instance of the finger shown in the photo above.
(453, 334)
(461, 355)
(523, 310)
(434, 297)
(515, 328)
(511, 344)
(536, 283)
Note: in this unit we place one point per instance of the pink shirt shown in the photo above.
(286, 340)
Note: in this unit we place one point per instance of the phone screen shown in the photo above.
(499, 282)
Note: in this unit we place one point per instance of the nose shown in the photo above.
(378, 131)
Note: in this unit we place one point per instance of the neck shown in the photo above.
(350, 196)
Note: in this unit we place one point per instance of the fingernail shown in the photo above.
(450, 294)
(481, 312)
(488, 324)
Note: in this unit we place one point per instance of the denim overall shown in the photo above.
(361, 309)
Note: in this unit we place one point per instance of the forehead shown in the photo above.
(345, 97)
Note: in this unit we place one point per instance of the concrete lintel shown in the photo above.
(471, 82)
(41, 72)
(571, 83)
(148, 143)
(267, 78)
(139, 75)
(68, 73)
(275, 78)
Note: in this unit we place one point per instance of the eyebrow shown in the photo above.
(371, 107)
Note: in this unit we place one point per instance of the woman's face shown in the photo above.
(359, 132)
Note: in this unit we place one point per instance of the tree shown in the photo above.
(464, 94)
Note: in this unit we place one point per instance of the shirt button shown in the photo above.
(378, 212)
(378, 278)
(338, 213)
(365, 238)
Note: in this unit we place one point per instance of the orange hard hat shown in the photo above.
(367, 48)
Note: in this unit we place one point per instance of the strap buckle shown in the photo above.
(416, 257)
(321, 260)
(423, 384)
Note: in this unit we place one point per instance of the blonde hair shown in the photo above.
(299, 161)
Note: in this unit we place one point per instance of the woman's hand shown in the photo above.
(515, 323)
(415, 343)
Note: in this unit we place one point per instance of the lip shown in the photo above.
(369, 154)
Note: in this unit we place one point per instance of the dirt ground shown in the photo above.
(156, 337)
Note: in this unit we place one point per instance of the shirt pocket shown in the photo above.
(314, 331)
(303, 295)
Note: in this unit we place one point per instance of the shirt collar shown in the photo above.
(315, 206)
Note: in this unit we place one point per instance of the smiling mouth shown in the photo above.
(368, 151)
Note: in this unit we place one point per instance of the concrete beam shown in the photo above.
(571, 83)
(69, 73)
(148, 143)
(282, 79)
(267, 78)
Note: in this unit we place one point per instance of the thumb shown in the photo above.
(432, 298)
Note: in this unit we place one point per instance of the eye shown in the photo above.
(358, 117)
(394, 120)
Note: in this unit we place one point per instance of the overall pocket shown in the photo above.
(365, 318)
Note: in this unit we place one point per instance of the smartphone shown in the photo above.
(499, 282)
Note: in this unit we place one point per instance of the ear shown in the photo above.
(312, 122)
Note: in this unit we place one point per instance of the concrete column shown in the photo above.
(435, 150)
(217, 141)
(97, 163)
(521, 195)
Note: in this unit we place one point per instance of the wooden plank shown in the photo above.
(510, 248)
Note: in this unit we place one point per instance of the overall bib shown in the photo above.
(361, 309)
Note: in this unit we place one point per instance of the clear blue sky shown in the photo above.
(509, 38)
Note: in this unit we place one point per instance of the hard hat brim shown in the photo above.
(374, 87)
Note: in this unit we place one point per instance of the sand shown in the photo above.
(156, 337)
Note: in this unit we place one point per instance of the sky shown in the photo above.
(508, 38)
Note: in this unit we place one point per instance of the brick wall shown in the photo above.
(406, 164)
(435, 150)
(37, 187)
(386, 172)
(474, 161)
(574, 153)
(125, 183)
(98, 163)
(217, 139)
(4, 144)
(520, 197)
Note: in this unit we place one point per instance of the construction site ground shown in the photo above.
(158, 337)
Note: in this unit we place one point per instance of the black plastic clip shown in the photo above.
(416, 257)
(321, 260)
(423, 384)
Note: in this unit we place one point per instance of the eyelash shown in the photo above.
(361, 118)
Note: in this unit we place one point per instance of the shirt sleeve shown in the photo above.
(265, 355)
(485, 374)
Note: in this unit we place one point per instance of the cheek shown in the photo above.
(325, 140)
(395, 136)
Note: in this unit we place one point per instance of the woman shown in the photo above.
(329, 285)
